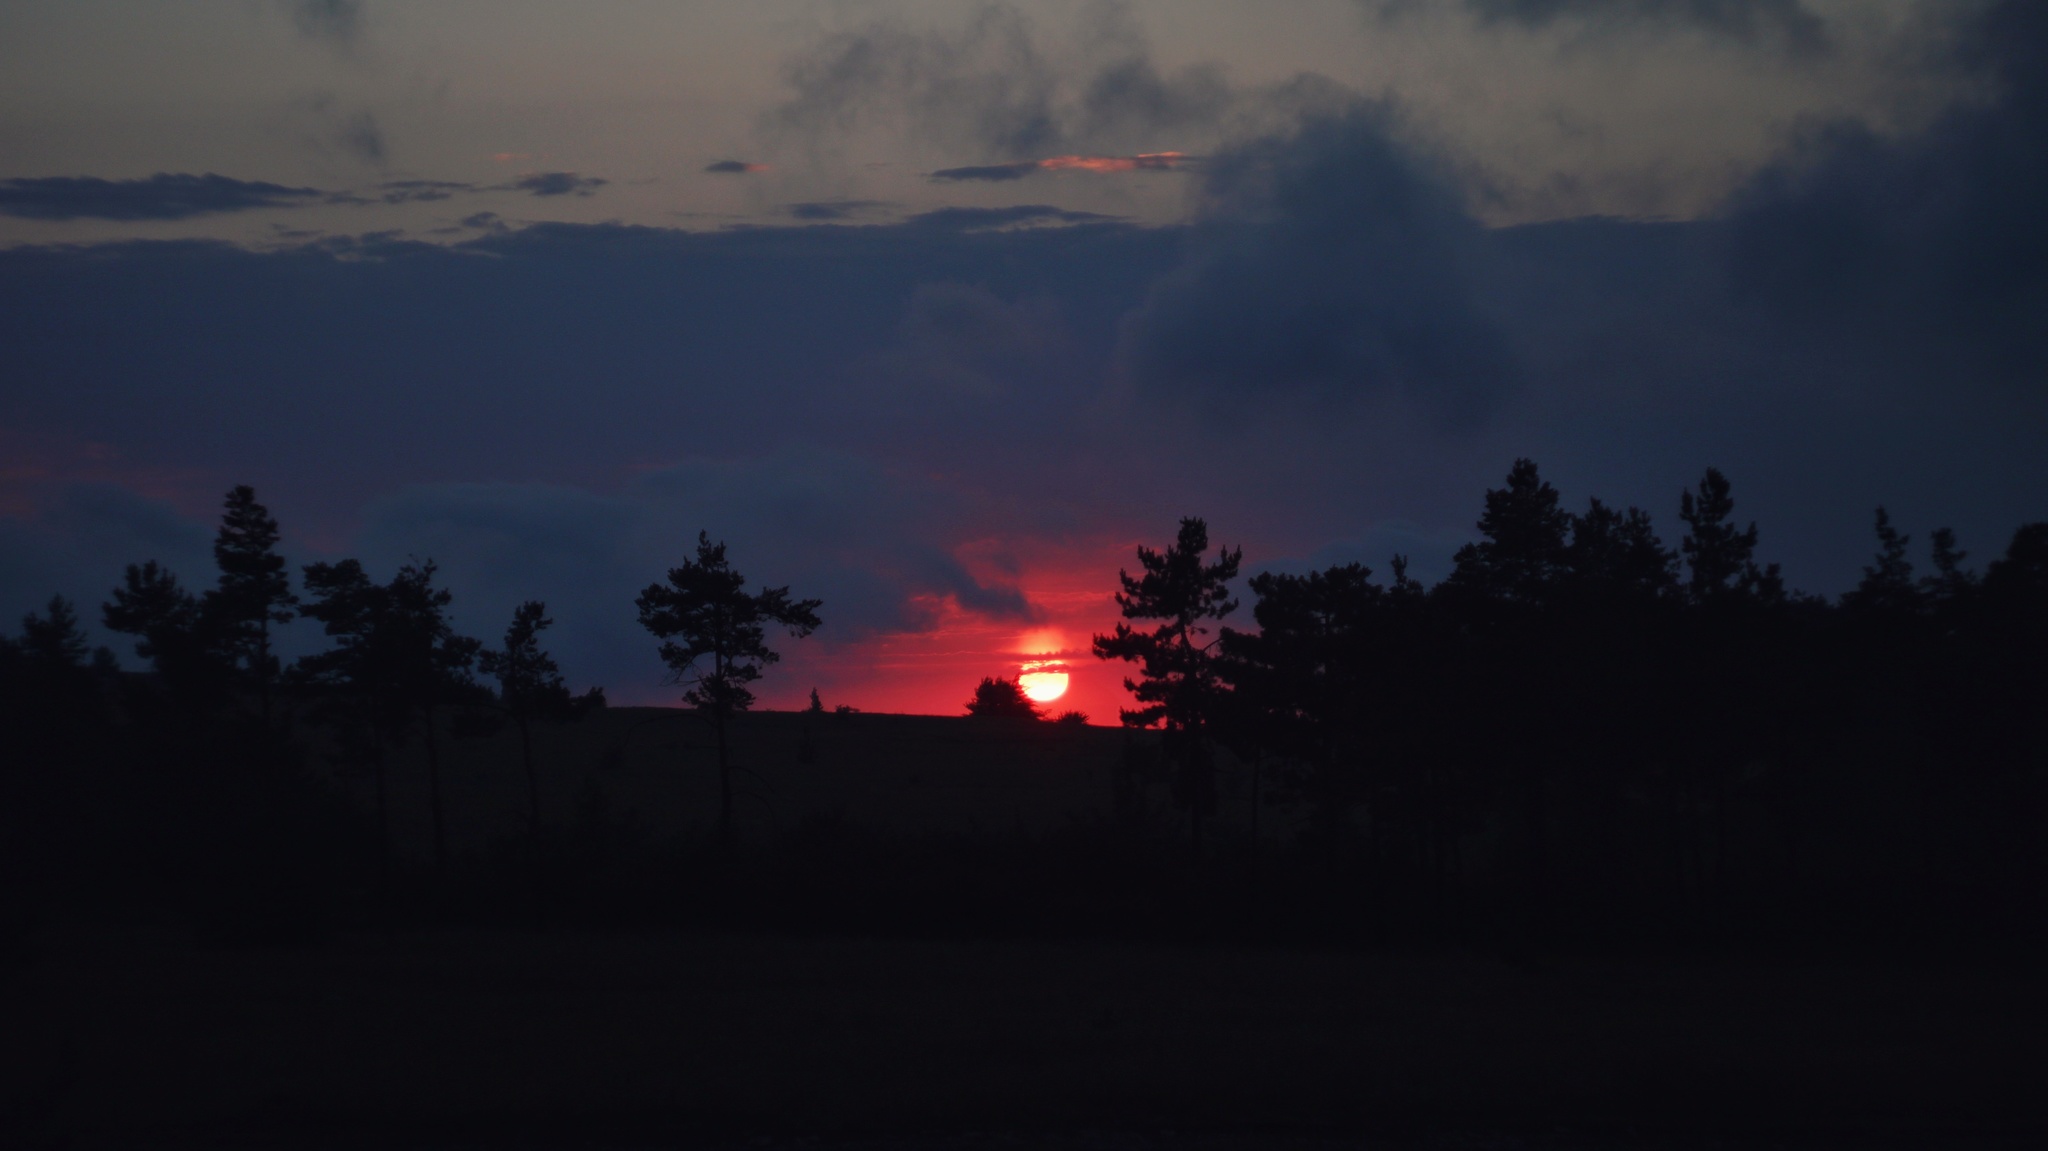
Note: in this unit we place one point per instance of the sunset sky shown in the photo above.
(935, 310)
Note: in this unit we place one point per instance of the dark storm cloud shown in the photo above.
(558, 184)
(338, 22)
(1932, 247)
(733, 167)
(1333, 262)
(996, 87)
(1786, 23)
(164, 196)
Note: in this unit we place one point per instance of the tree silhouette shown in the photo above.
(1721, 557)
(253, 593)
(713, 640)
(1950, 584)
(1887, 584)
(529, 687)
(1177, 666)
(54, 640)
(1002, 699)
(397, 657)
(171, 632)
(1522, 549)
(1616, 557)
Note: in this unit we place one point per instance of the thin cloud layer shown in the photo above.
(559, 184)
(1786, 23)
(164, 196)
(337, 22)
(1143, 162)
(1000, 87)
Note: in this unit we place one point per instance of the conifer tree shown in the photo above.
(1720, 556)
(396, 656)
(1887, 584)
(713, 634)
(1522, 549)
(1177, 663)
(254, 591)
(529, 687)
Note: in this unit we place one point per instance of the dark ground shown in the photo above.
(124, 1037)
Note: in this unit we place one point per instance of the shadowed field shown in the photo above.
(489, 1039)
(885, 773)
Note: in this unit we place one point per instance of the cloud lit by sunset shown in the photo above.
(1144, 161)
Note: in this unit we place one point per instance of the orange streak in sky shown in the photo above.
(1146, 161)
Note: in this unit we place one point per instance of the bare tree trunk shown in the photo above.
(434, 794)
(263, 671)
(724, 782)
(532, 786)
(383, 824)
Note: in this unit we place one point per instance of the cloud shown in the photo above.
(1335, 263)
(420, 191)
(335, 22)
(77, 542)
(989, 172)
(734, 167)
(558, 184)
(833, 209)
(164, 196)
(1929, 249)
(982, 219)
(1143, 162)
(999, 87)
(1785, 23)
(873, 546)
(1334, 343)
(359, 135)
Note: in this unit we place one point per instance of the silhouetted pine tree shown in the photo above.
(254, 591)
(713, 634)
(1179, 683)
(396, 658)
(530, 687)
(1887, 585)
(1720, 557)
(1521, 550)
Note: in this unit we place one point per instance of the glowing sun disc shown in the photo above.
(1043, 686)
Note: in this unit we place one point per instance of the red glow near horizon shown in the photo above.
(933, 670)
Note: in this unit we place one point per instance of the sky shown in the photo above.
(936, 311)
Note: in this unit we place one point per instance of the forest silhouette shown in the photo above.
(1583, 735)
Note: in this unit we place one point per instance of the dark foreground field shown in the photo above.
(127, 1037)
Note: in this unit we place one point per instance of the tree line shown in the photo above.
(1581, 718)
(217, 732)
(1581, 726)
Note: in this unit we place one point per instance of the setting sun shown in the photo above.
(1043, 686)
